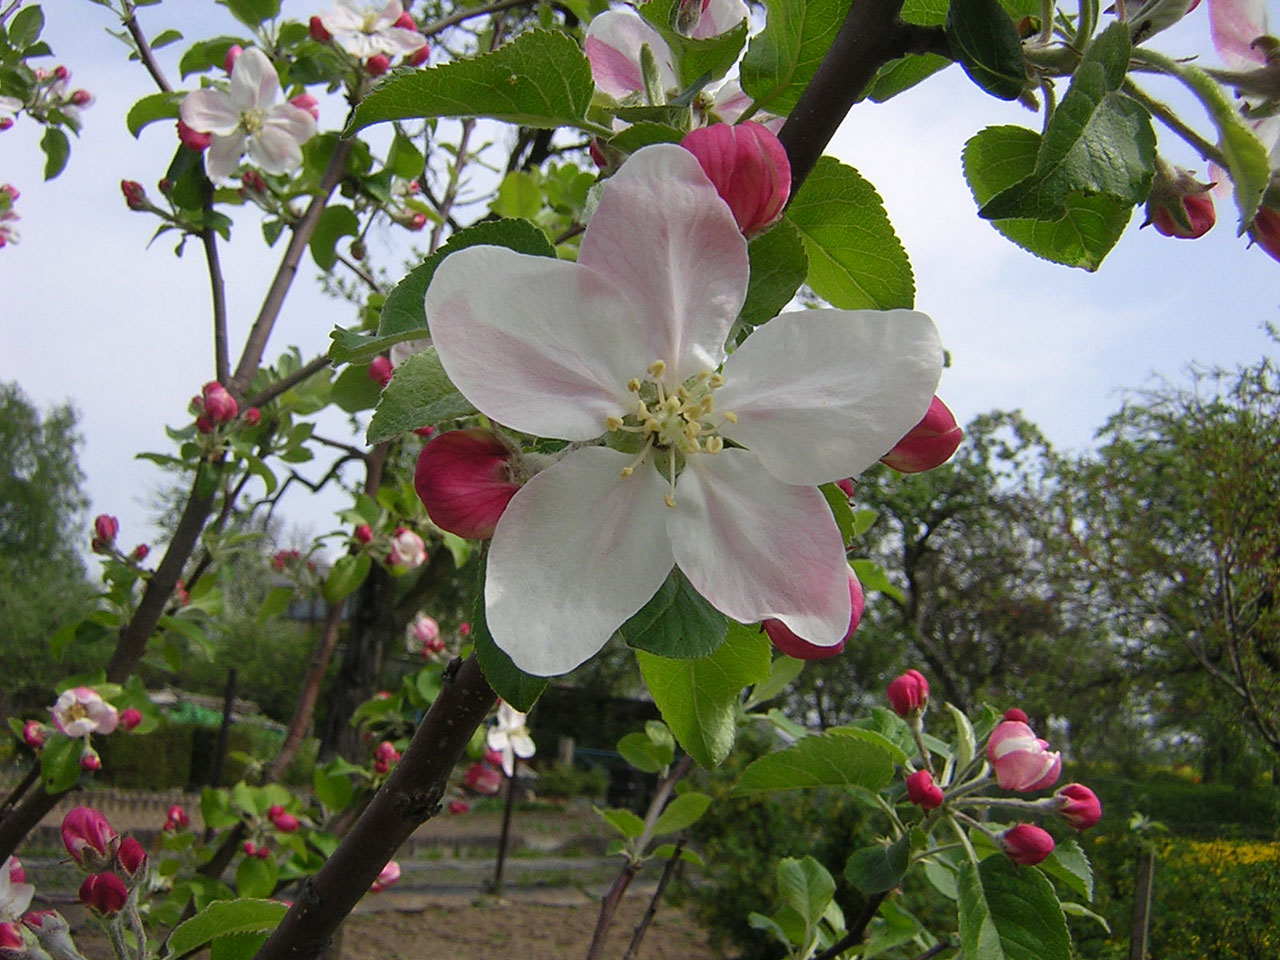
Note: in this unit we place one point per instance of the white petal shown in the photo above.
(613, 43)
(662, 233)
(497, 739)
(523, 745)
(542, 345)
(719, 16)
(398, 42)
(577, 552)
(823, 394)
(277, 146)
(254, 84)
(345, 15)
(755, 547)
(223, 156)
(210, 111)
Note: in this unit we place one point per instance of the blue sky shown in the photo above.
(91, 315)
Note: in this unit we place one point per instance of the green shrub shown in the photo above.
(1191, 809)
(159, 760)
(568, 780)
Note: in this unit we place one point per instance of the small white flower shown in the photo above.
(9, 107)
(407, 549)
(15, 897)
(247, 117)
(366, 29)
(8, 232)
(510, 737)
(81, 711)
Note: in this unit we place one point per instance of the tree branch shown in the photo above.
(856, 932)
(218, 291)
(308, 369)
(130, 20)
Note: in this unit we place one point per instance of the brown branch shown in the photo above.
(218, 291)
(302, 714)
(667, 872)
(453, 19)
(130, 20)
(16, 793)
(308, 369)
(410, 796)
(856, 932)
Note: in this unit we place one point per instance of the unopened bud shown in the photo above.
(177, 816)
(459, 806)
(131, 856)
(1014, 713)
(316, 28)
(285, 822)
(930, 443)
(377, 65)
(483, 779)
(140, 552)
(10, 937)
(417, 221)
(305, 101)
(1078, 805)
(909, 693)
(1026, 844)
(922, 791)
(233, 54)
(130, 717)
(252, 180)
(135, 198)
(1022, 761)
(388, 876)
(253, 416)
(33, 734)
(89, 838)
(90, 762)
(464, 479)
(750, 170)
(793, 646)
(193, 139)
(61, 73)
(380, 370)
(219, 405)
(1178, 205)
(363, 533)
(1265, 231)
(419, 56)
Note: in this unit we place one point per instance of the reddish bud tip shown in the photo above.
(909, 693)
(131, 856)
(33, 734)
(749, 167)
(11, 937)
(105, 528)
(1078, 805)
(1265, 231)
(928, 444)
(81, 98)
(387, 877)
(1022, 761)
(464, 479)
(233, 54)
(104, 893)
(459, 806)
(285, 823)
(61, 72)
(305, 101)
(377, 65)
(316, 27)
(1013, 713)
(90, 762)
(253, 416)
(219, 405)
(417, 221)
(193, 139)
(405, 21)
(130, 717)
(419, 56)
(793, 646)
(89, 837)
(1198, 216)
(380, 370)
(483, 779)
(922, 791)
(177, 816)
(363, 533)
(140, 552)
(1026, 845)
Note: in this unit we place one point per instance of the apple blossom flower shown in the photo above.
(422, 635)
(628, 342)
(922, 791)
(483, 779)
(176, 817)
(407, 549)
(104, 893)
(1078, 805)
(1234, 25)
(33, 734)
(510, 737)
(801, 649)
(1026, 844)
(909, 693)
(1022, 761)
(930, 443)
(130, 717)
(247, 117)
(749, 167)
(366, 29)
(81, 711)
(89, 838)
(464, 479)
(15, 895)
(390, 874)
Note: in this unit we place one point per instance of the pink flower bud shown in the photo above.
(219, 404)
(426, 433)
(130, 717)
(380, 370)
(61, 72)
(928, 444)
(1196, 210)
(180, 594)
(787, 642)
(848, 487)
(922, 791)
(37, 919)
(464, 480)
(909, 693)
(387, 877)
(140, 552)
(252, 180)
(286, 823)
(233, 54)
(407, 549)
(363, 533)
(305, 101)
(17, 872)
(205, 425)
(193, 139)
(1265, 231)
(90, 762)
(33, 733)
(749, 168)
(596, 152)
(131, 856)
(493, 756)
(177, 816)
(105, 528)
(6, 123)
(81, 98)
(1026, 845)
(377, 65)
(316, 28)
(385, 756)
(405, 21)
(263, 852)
(419, 56)
(250, 848)
(459, 806)
(135, 198)
(1078, 805)
(253, 416)
(1013, 713)
(10, 937)
(464, 629)
(483, 779)
(1022, 761)
(416, 222)
(89, 838)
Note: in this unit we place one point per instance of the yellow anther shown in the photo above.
(657, 368)
(693, 429)
(673, 405)
(627, 471)
(633, 385)
(707, 406)
(669, 500)
(716, 380)
(682, 393)
(714, 444)
(731, 416)
(704, 376)
(652, 425)
(642, 411)
(612, 422)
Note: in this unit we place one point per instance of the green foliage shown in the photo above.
(420, 393)
(782, 58)
(222, 919)
(676, 622)
(826, 760)
(986, 43)
(1010, 913)
(570, 780)
(778, 266)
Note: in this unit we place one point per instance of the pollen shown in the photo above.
(657, 369)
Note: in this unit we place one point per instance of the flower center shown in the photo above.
(75, 712)
(370, 24)
(672, 426)
(252, 120)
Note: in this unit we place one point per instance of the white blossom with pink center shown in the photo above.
(81, 711)
(707, 464)
(1234, 26)
(15, 896)
(246, 117)
(510, 737)
(1022, 761)
(367, 29)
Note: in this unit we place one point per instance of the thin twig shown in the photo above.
(148, 59)
(667, 872)
(451, 190)
(218, 291)
(936, 949)
(856, 932)
(1171, 120)
(288, 382)
(16, 794)
(360, 272)
(444, 23)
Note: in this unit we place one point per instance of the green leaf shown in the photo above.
(237, 946)
(519, 195)
(875, 738)
(404, 315)
(215, 809)
(873, 578)
(404, 159)
(1010, 913)
(676, 622)
(684, 811)
(223, 918)
(353, 391)
(60, 763)
(346, 576)
(966, 744)
(1070, 865)
(334, 790)
(782, 672)
(855, 259)
(336, 221)
(208, 54)
(643, 754)
(903, 74)
(153, 107)
(778, 267)
(643, 134)
(164, 38)
(999, 157)
(782, 58)
(827, 760)
(698, 698)
(698, 61)
(806, 887)
(838, 501)
(274, 604)
(986, 43)
(539, 79)
(256, 878)
(666, 851)
(25, 28)
(252, 12)
(512, 684)
(1099, 142)
(624, 821)
(1080, 910)
(420, 393)
(57, 149)
(879, 868)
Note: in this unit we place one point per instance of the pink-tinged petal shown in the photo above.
(730, 102)
(399, 42)
(277, 147)
(823, 394)
(345, 15)
(209, 111)
(539, 344)
(613, 43)
(577, 552)
(755, 547)
(388, 16)
(223, 156)
(717, 17)
(254, 84)
(685, 271)
(1234, 25)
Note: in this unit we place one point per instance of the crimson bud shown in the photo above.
(104, 893)
(131, 856)
(135, 197)
(419, 56)
(364, 533)
(33, 733)
(89, 838)
(930, 443)
(305, 101)
(1078, 805)
(749, 167)
(130, 717)
(178, 816)
(377, 65)
(193, 139)
(922, 791)
(380, 370)
(253, 416)
(387, 877)
(1013, 713)
(316, 28)
(1026, 844)
(233, 54)
(787, 642)
(459, 806)
(219, 404)
(1265, 231)
(90, 762)
(140, 552)
(10, 937)
(909, 693)
(464, 479)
